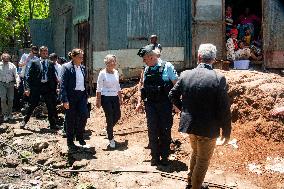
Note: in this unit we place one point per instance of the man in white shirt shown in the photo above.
(8, 78)
(54, 59)
(26, 59)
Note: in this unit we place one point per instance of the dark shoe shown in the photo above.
(165, 162)
(154, 162)
(82, 142)
(54, 127)
(72, 146)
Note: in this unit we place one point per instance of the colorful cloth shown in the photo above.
(231, 46)
(243, 54)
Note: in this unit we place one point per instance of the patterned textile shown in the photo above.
(239, 54)
(230, 45)
(243, 54)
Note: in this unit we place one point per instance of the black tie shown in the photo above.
(44, 69)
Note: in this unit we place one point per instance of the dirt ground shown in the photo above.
(38, 158)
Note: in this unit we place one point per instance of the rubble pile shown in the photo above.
(253, 95)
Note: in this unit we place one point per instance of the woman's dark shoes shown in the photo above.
(72, 147)
(164, 162)
(154, 162)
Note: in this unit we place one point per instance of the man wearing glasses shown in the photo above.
(24, 66)
(26, 59)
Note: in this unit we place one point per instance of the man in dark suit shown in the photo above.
(73, 92)
(205, 110)
(41, 81)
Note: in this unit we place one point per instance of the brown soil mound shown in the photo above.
(252, 95)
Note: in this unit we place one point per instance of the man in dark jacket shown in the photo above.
(41, 81)
(205, 110)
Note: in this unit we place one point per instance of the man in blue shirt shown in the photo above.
(156, 82)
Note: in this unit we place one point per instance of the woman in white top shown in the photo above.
(109, 95)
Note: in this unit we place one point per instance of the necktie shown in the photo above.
(44, 70)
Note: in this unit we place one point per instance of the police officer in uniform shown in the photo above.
(156, 81)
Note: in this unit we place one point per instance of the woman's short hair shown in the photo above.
(75, 52)
(207, 52)
(108, 58)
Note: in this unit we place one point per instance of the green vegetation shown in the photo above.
(14, 21)
(25, 155)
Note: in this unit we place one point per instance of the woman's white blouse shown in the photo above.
(108, 84)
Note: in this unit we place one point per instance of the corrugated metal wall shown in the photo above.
(131, 22)
(41, 32)
(62, 27)
(273, 33)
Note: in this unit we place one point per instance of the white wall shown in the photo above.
(130, 64)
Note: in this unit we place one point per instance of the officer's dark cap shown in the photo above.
(145, 50)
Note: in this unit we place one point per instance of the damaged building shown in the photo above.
(121, 27)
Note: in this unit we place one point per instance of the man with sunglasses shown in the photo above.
(26, 59)
(24, 66)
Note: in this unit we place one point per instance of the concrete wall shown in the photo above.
(130, 64)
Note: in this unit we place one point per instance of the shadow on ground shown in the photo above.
(174, 166)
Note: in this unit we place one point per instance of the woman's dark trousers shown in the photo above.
(111, 107)
(76, 116)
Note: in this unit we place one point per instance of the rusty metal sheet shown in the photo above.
(273, 33)
(84, 38)
(207, 25)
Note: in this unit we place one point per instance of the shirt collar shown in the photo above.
(41, 59)
(204, 65)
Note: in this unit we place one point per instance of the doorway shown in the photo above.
(83, 39)
(243, 18)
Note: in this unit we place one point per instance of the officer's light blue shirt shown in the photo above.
(169, 72)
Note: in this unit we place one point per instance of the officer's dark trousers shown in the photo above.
(159, 122)
(49, 98)
(76, 116)
(111, 107)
